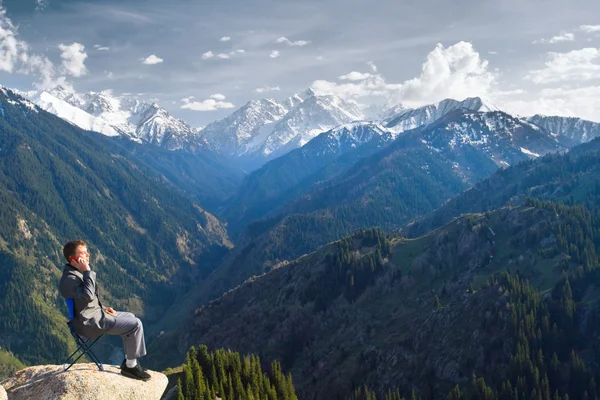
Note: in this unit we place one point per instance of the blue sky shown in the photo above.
(202, 59)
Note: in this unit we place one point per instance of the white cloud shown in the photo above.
(299, 43)
(576, 65)
(225, 39)
(274, 54)
(590, 28)
(213, 103)
(456, 72)
(492, 52)
(73, 59)
(563, 37)
(372, 66)
(355, 76)
(267, 89)
(152, 60)
(319, 58)
(101, 48)
(223, 56)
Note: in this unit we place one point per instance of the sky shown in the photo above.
(203, 59)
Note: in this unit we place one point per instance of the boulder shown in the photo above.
(2, 393)
(81, 382)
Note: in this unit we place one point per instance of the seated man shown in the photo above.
(91, 319)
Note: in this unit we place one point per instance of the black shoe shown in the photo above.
(124, 364)
(136, 372)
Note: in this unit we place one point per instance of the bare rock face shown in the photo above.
(3, 393)
(81, 382)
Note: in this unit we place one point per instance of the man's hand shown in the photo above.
(81, 264)
(110, 311)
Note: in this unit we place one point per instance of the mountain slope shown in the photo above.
(575, 130)
(265, 129)
(58, 183)
(119, 115)
(401, 314)
(474, 143)
(571, 177)
(407, 119)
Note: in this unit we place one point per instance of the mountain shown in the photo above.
(472, 144)
(284, 178)
(425, 314)
(407, 119)
(575, 130)
(264, 129)
(571, 177)
(148, 241)
(119, 115)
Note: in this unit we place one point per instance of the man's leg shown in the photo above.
(132, 331)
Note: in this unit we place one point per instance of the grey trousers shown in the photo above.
(132, 331)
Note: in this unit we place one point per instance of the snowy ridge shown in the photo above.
(117, 115)
(500, 136)
(413, 118)
(575, 129)
(267, 128)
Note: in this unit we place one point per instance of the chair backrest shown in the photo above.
(71, 307)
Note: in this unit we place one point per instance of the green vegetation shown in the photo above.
(8, 364)
(57, 183)
(229, 376)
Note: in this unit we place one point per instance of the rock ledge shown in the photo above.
(81, 382)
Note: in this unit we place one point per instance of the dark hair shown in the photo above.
(71, 247)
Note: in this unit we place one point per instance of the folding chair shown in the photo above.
(82, 343)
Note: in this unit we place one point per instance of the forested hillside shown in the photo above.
(427, 313)
(58, 183)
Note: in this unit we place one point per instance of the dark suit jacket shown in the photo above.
(91, 321)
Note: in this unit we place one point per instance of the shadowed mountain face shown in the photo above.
(58, 183)
(420, 313)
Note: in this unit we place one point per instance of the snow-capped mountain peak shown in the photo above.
(114, 115)
(265, 128)
(413, 118)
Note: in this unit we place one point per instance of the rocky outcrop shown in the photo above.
(81, 382)
(2, 394)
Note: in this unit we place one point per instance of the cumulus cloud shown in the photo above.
(590, 28)
(274, 54)
(15, 56)
(265, 89)
(576, 65)
(217, 96)
(457, 72)
(152, 60)
(355, 76)
(213, 103)
(563, 37)
(225, 39)
(298, 43)
(222, 56)
(73, 59)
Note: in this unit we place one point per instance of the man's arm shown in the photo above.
(74, 288)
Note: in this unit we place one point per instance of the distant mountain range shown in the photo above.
(265, 129)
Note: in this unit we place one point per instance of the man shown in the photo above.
(91, 319)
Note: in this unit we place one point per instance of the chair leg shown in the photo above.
(85, 349)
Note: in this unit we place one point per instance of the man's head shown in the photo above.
(77, 249)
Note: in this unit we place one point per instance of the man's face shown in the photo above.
(82, 252)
